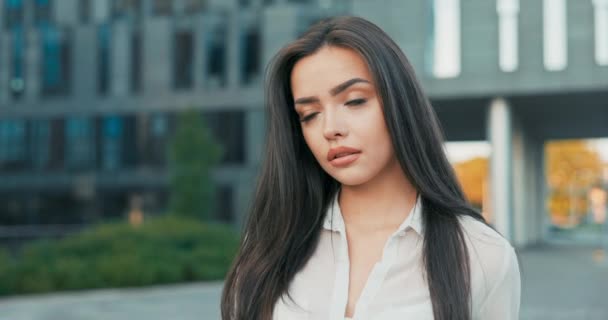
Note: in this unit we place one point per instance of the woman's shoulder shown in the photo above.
(485, 245)
(493, 258)
(482, 234)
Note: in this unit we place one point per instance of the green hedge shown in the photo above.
(161, 250)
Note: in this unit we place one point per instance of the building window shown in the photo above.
(56, 58)
(112, 142)
(13, 13)
(103, 58)
(188, 7)
(555, 48)
(508, 11)
(17, 77)
(228, 128)
(40, 138)
(57, 143)
(79, 147)
(183, 59)
(601, 31)
(42, 12)
(216, 53)
(126, 9)
(157, 144)
(443, 51)
(12, 144)
(136, 61)
(250, 55)
(162, 7)
(84, 11)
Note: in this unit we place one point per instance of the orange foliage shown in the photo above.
(471, 174)
(572, 168)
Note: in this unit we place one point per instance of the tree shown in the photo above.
(572, 168)
(471, 175)
(193, 152)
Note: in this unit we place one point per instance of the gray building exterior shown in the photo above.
(89, 90)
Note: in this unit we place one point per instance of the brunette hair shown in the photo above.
(293, 192)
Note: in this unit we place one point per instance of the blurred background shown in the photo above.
(131, 134)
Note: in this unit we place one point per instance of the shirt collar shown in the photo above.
(334, 214)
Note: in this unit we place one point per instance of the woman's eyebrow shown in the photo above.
(343, 86)
(334, 91)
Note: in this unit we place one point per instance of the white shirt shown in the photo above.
(395, 288)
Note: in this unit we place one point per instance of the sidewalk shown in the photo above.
(558, 283)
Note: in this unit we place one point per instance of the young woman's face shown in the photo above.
(341, 115)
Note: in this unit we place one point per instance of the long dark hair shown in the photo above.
(293, 191)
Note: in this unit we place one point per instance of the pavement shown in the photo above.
(563, 282)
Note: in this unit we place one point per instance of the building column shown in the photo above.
(233, 52)
(501, 172)
(5, 64)
(84, 51)
(31, 66)
(600, 8)
(528, 175)
(65, 12)
(200, 32)
(274, 38)
(157, 55)
(120, 59)
(519, 172)
(538, 174)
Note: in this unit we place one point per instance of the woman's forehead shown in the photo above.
(326, 68)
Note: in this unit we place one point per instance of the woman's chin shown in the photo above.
(350, 179)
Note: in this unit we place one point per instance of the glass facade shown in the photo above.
(17, 76)
(126, 9)
(40, 143)
(84, 11)
(103, 58)
(183, 59)
(13, 13)
(215, 45)
(12, 144)
(251, 55)
(136, 61)
(42, 12)
(113, 128)
(80, 147)
(162, 7)
(228, 128)
(56, 60)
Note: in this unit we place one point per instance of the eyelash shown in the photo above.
(354, 102)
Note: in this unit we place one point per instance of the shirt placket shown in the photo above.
(375, 279)
(372, 285)
(340, 294)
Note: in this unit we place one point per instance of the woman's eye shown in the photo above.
(355, 102)
(308, 117)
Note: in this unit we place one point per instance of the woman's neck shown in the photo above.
(380, 204)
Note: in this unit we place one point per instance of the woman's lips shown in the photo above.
(345, 160)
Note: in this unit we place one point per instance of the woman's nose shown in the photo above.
(333, 125)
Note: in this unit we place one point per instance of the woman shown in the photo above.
(357, 212)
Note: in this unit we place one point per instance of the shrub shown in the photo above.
(162, 250)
